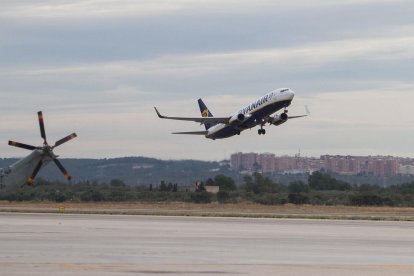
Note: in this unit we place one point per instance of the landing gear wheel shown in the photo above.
(238, 132)
(259, 131)
(263, 131)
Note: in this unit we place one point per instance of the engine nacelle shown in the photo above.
(279, 119)
(237, 119)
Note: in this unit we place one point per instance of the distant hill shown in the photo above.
(135, 170)
(146, 171)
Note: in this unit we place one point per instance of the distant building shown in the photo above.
(266, 162)
(235, 161)
(269, 163)
(212, 189)
(406, 169)
(243, 161)
(347, 165)
(381, 166)
(194, 187)
(384, 167)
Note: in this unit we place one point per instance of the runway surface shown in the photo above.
(51, 244)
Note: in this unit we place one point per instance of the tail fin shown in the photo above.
(205, 112)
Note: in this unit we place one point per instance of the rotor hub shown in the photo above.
(46, 150)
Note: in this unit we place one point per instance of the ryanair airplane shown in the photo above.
(258, 113)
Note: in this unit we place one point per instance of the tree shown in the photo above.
(223, 196)
(117, 183)
(163, 187)
(92, 195)
(321, 181)
(201, 197)
(298, 198)
(298, 187)
(259, 184)
(225, 183)
(210, 182)
(368, 199)
(249, 185)
(201, 187)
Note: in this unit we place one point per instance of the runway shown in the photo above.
(50, 244)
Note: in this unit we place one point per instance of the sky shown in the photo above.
(98, 67)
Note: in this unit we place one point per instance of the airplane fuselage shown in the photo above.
(257, 113)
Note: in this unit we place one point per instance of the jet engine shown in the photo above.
(238, 119)
(279, 119)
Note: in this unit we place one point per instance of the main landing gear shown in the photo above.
(261, 130)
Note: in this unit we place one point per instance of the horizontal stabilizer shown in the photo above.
(201, 120)
(192, 132)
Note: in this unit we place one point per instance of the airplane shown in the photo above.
(25, 170)
(258, 113)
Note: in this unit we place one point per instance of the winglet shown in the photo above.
(158, 113)
(300, 116)
(307, 110)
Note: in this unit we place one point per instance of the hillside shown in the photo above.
(135, 170)
(145, 171)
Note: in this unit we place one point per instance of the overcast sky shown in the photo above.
(98, 68)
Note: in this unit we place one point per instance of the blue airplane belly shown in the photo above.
(269, 109)
(264, 112)
(258, 115)
(226, 132)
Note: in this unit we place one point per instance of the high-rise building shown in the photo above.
(236, 161)
(382, 166)
(243, 161)
(266, 162)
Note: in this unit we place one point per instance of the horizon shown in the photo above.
(219, 160)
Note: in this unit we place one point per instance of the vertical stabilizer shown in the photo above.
(205, 112)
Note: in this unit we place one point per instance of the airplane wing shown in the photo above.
(192, 132)
(201, 120)
(300, 116)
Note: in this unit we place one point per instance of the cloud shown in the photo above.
(125, 8)
(367, 109)
(308, 56)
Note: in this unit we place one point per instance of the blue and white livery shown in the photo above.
(258, 113)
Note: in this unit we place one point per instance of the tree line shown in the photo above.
(321, 189)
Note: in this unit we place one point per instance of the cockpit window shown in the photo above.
(284, 90)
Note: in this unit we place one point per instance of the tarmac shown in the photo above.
(66, 244)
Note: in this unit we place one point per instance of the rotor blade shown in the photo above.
(64, 140)
(62, 169)
(36, 170)
(20, 145)
(41, 125)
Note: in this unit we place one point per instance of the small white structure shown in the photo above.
(406, 169)
(212, 189)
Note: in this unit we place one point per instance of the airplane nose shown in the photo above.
(291, 94)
